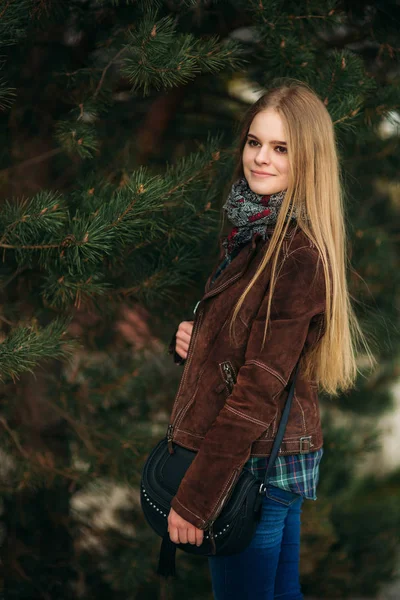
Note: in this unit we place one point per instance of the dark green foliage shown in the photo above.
(119, 122)
(366, 520)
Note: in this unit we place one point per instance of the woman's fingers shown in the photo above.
(191, 536)
(181, 348)
(199, 536)
(182, 535)
(173, 534)
(185, 330)
(183, 336)
(181, 531)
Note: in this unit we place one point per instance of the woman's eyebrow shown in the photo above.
(271, 142)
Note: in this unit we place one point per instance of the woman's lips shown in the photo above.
(261, 174)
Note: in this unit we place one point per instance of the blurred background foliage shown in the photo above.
(119, 121)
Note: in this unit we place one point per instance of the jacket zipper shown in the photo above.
(229, 375)
(230, 379)
(170, 433)
(209, 525)
(171, 426)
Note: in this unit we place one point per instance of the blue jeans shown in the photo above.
(268, 569)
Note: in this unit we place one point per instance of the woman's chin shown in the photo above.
(262, 186)
(262, 190)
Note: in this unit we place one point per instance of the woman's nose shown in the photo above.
(262, 156)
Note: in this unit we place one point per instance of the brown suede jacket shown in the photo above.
(230, 398)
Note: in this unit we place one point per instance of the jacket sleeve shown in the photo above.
(249, 410)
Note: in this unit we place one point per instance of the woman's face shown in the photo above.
(264, 158)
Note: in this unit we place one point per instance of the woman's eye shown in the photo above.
(279, 149)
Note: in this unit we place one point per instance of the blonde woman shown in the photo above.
(279, 292)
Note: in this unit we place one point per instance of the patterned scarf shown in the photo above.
(250, 212)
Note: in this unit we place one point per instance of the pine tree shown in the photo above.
(119, 123)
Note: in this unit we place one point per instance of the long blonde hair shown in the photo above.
(315, 190)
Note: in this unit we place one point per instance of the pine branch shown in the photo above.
(26, 347)
(104, 72)
(159, 57)
(7, 95)
(80, 254)
(14, 21)
(77, 138)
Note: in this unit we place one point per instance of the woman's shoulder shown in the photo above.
(299, 243)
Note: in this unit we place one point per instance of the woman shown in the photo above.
(282, 288)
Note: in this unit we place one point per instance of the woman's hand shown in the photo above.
(183, 336)
(183, 532)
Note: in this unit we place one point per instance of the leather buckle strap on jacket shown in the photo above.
(231, 395)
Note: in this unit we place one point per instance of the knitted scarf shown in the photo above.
(250, 212)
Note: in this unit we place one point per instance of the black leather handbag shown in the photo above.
(233, 529)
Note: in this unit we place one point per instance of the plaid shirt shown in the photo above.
(297, 473)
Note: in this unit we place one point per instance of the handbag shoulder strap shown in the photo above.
(281, 429)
